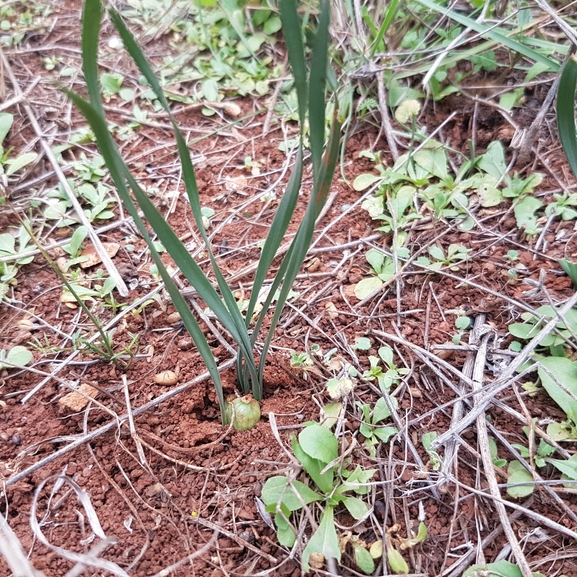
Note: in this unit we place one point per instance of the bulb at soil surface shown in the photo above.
(246, 413)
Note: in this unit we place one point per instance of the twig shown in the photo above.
(131, 426)
(242, 542)
(505, 379)
(452, 447)
(385, 119)
(483, 444)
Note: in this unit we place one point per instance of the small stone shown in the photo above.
(76, 401)
(173, 318)
(166, 378)
(316, 560)
(185, 343)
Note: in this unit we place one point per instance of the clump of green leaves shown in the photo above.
(425, 175)
(11, 259)
(382, 270)
(310, 85)
(372, 427)
(317, 450)
(10, 164)
(439, 258)
(384, 370)
(229, 60)
(533, 323)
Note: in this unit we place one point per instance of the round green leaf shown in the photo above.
(363, 181)
(364, 560)
(518, 474)
(319, 443)
(367, 287)
(19, 355)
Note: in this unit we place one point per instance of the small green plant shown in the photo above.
(310, 86)
(104, 348)
(434, 458)
(10, 258)
(317, 449)
(456, 253)
(90, 169)
(556, 341)
(74, 248)
(382, 269)
(425, 175)
(390, 376)
(302, 361)
(497, 569)
(98, 197)
(11, 164)
(462, 323)
(371, 428)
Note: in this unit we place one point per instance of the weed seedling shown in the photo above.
(456, 253)
(388, 377)
(317, 449)
(371, 429)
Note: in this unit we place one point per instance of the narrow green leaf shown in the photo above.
(6, 120)
(566, 112)
(568, 468)
(559, 378)
(294, 42)
(15, 164)
(91, 22)
(389, 15)
(317, 82)
(492, 33)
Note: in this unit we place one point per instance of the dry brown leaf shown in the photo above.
(76, 401)
(93, 258)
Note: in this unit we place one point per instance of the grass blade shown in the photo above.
(277, 231)
(491, 33)
(91, 23)
(317, 85)
(293, 38)
(566, 112)
(298, 250)
(118, 171)
(229, 315)
(389, 15)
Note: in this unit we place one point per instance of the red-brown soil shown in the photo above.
(164, 489)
